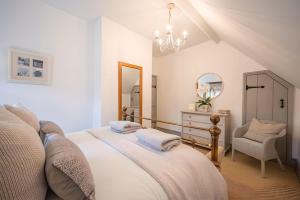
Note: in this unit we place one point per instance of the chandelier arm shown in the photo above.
(170, 15)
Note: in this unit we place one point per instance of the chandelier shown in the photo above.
(167, 42)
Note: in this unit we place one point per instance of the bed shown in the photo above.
(39, 161)
(124, 169)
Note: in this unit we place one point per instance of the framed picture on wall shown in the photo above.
(29, 67)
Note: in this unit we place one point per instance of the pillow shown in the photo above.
(47, 127)
(22, 159)
(25, 114)
(67, 170)
(259, 131)
(52, 196)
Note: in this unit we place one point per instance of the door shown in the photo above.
(251, 97)
(154, 100)
(264, 97)
(280, 114)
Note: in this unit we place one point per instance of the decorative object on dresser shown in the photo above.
(199, 137)
(204, 104)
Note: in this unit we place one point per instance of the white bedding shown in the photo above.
(117, 177)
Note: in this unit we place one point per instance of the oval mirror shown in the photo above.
(209, 85)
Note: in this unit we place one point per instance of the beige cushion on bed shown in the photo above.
(259, 131)
(67, 170)
(22, 159)
(47, 127)
(52, 196)
(25, 114)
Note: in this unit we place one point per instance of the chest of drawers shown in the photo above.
(200, 137)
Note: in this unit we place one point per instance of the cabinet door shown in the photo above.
(251, 97)
(280, 114)
(264, 97)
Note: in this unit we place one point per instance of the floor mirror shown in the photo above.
(130, 82)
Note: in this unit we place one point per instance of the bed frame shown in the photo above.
(216, 153)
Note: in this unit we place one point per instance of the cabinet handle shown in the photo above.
(281, 103)
(251, 87)
(190, 130)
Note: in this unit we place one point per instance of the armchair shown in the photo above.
(262, 151)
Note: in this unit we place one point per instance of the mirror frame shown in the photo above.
(222, 89)
(140, 68)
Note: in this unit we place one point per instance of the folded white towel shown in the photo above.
(157, 139)
(124, 126)
(124, 132)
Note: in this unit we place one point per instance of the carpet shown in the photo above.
(245, 183)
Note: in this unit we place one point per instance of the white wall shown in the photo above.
(296, 131)
(35, 26)
(117, 43)
(177, 74)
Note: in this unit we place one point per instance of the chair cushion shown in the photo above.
(259, 131)
(67, 170)
(22, 159)
(25, 114)
(48, 127)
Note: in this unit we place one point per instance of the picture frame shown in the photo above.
(29, 67)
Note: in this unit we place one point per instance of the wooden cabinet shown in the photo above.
(202, 119)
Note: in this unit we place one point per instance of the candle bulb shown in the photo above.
(156, 34)
(185, 33)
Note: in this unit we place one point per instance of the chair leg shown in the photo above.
(232, 153)
(263, 168)
(279, 162)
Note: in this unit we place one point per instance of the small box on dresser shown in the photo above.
(201, 137)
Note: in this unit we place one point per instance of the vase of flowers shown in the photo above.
(204, 104)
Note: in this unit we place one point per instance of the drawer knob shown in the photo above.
(190, 116)
(190, 130)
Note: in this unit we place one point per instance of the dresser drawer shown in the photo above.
(199, 118)
(200, 133)
(196, 138)
(200, 140)
(196, 132)
(202, 125)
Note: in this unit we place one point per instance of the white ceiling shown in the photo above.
(268, 31)
(141, 16)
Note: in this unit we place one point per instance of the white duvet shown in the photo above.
(117, 177)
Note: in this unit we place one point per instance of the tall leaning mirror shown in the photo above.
(130, 83)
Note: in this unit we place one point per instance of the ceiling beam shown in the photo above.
(196, 18)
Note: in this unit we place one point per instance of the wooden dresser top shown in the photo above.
(203, 113)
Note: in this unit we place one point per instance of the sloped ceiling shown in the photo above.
(141, 16)
(268, 31)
